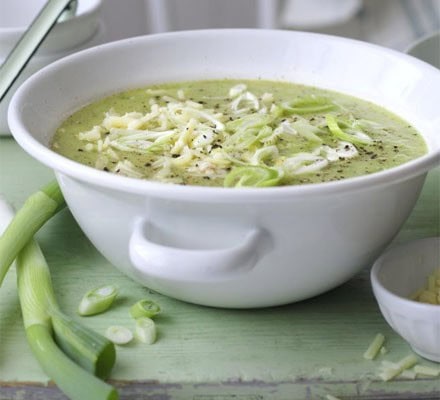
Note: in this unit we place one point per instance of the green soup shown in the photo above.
(237, 133)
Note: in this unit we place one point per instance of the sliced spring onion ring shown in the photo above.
(119, 334)
(336, 130)
(249, 121)
(146, 330)
(303, 163)
(252, 176)
(265, 153)
(97, 300)
(308, 105)
(144, 308)
(306, 129)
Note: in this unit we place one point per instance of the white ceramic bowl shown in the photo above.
(235, 247)
(395, 276)
(81, 31)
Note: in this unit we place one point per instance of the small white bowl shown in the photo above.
(83, 30)
(395, 276)
(17, 15)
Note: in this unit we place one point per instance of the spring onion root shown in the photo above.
(37, 209)
(97, 300)
(144, 308)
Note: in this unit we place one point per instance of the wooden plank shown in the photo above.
(299, 351)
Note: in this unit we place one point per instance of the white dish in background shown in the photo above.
(315, 14)
(16, 16)
(83, 30)
(396, 275)
(232, 247)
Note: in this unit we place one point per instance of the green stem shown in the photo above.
(87, 348)
(37, 209)
(74, 381)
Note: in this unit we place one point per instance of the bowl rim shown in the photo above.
(62, 165)
(381, 292)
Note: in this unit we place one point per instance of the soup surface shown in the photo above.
(237, 133)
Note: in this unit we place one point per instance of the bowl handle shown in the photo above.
(183, 264)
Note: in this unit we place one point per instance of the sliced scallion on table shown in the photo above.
(144, 308)
(97, 300)
(146, 330)
(37, 209)
(119, 334)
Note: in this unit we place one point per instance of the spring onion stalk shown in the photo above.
(146, 330)
(97, 300)
(36, 299)
(87, 348)
(252, 176)
(144, 308)
(119, 334)
(37, 209)
(375, 347)
(74, 381)
(41, 314)
(336, 131)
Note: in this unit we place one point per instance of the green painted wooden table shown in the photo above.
(300, 351)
